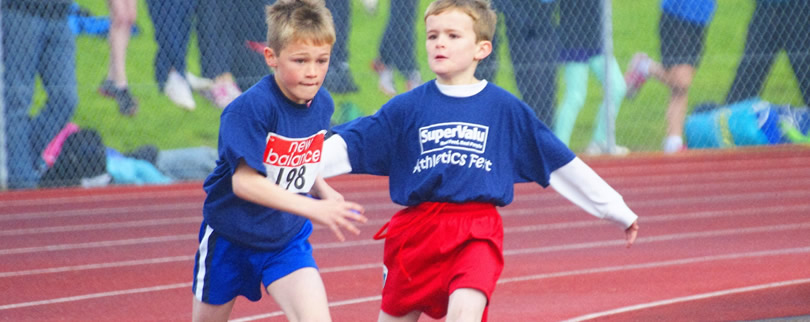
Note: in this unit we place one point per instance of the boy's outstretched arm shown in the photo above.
(335, 159)
(577, 182)
(250, 185)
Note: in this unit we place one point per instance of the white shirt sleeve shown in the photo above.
(577, 182)
(335, 160)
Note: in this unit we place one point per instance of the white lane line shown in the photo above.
(160, 260)
(106, 197)
(111, 225)
(108, 243)
(95, 295)
(365, 242)
(688, 298)
(331, 304)
(507, 212)
(684, 261)
(385, 204)
(195, 207)
(575, 272)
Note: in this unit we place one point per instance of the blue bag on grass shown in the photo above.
(738, 124)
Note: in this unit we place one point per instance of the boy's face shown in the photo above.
(300, 68)
(452, 50)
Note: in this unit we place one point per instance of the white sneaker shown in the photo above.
(386, 82)
(673, 144)
(370, 5)
(199, 83)
(179, 91)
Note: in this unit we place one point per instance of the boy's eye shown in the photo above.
(431, 37)
(299, 60)
(323, 61)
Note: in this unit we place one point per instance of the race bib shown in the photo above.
(293, 163)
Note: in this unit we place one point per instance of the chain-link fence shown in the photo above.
(144, 81)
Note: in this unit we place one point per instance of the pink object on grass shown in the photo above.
(51, 152)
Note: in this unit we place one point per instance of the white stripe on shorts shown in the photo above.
(203, 250)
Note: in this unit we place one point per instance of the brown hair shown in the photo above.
(484, 18)
(299, 20)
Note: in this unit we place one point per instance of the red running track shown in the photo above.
(725, 235)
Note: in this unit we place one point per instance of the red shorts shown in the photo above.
(435, 248)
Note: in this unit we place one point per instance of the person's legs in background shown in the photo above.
(214, 31)
(575, 76)
(339, 78)
(533, 48)
(797, 43)
(248, 40)
(22, 46)
(681, 51)
(172, 21)
(122, 17)
(397, 49)
(761, 48)
(57, 70)
(617, 90)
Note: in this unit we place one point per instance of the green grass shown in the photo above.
(640, 124)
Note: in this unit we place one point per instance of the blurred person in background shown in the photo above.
(775, 25)
(37, 41)
(533, 43)
(172, 20)
(122, 17)
(339, 78)
(682, 30)
(581, 50)
(397, 51)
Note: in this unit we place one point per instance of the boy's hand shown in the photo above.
(338, 215)
(630, 233)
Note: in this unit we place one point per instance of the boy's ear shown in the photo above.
(484, 49)
(270, 57)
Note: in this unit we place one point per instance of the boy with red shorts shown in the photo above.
(453, 148)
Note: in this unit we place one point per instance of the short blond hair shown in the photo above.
(484, 18)
(289, 21)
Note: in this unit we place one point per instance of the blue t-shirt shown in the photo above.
(695, 11)
(281, 140)
(435, 147)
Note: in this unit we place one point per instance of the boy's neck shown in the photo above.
(468, 80)
(465, 78)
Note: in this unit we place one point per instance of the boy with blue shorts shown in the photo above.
(257, 217)
(453, 148)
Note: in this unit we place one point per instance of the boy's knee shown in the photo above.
(466, 304)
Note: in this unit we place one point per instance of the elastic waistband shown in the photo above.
(449, 207)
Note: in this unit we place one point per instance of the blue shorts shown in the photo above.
(224, 270)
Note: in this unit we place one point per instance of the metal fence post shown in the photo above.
(607, 40)
(3, 151)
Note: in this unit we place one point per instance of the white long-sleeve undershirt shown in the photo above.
(575, 181)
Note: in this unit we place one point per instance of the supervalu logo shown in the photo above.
(454, 136)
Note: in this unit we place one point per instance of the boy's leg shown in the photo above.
(203, 312)
(466, 304)
(410, 317)
(301, 295)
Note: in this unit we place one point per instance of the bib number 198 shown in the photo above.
(293, 176)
